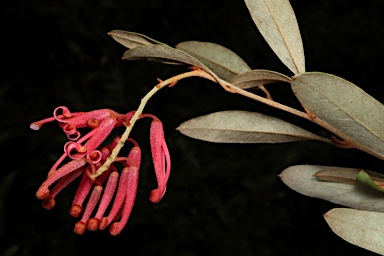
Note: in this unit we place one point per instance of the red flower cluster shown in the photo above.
(87, 154)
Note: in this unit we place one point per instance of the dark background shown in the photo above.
(221, 199)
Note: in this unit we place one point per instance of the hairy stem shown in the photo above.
(136, 117)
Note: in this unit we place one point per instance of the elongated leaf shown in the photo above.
(258, 77)
(277, 23)
(340, 175)
(224, 62)
(243, 127)
(344, 106)
(131, 39)
(301, 179)
(164, 53)
(353, 176)
(362, 228)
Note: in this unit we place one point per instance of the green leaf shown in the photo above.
(362, 228)
(258, 77)
(132, 39)
(301, 179)
(344, 106)
(243, 127)
(277, 23)
(364, 178)
(224, 62)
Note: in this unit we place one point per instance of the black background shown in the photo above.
(221, 199)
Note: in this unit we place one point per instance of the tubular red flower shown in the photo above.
(161, 160)
(119, 199)
(43, 191)
(93, 223)
(132, 182)
(81, 194)
(102, 132)
(49, 201)
(92, 202)
(80, 119)
(134, 157)
(83, 190)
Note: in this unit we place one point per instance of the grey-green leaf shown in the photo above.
(340, 175)
(277, 23)
(131, 39)
(164, 53)
(243, 127)
(224, 62)
(301, 179)
(362, 228)
(344, 106)
(258, 77)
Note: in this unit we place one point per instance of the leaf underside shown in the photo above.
(243, 127)
(131, 39)
(361, 228)
(344, 106)
(301, 179)
(277, 23)
(225, 63)
(164, 52)
(258, 77)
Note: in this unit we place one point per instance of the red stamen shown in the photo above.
(37, 125)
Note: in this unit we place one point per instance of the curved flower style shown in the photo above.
(87, 155)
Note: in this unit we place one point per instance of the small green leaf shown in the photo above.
(258, 77)
(224, 62)
(277, 23)
(362, 228)
(301, 179)
(243, 127)
(364, 178)
(132, 39)
(345, 107)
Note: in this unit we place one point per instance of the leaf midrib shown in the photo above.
(214, 62)
(295, 61)
(348, 113)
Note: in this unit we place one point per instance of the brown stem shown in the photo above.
(311, 117)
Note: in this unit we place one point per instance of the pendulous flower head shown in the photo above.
(114, 190)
